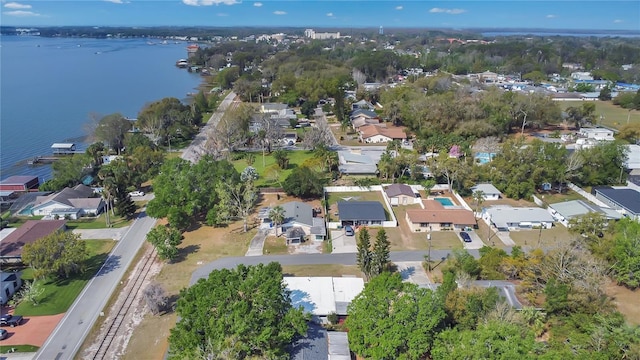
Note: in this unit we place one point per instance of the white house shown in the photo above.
(321, 296)
(600, 134)
(74, 202)
(10, 283)
(489, 191)
(381, 134)
(401, 194)
(506, 218)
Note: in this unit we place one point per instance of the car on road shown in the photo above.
(3, 334)
(348, 230)
(465, 236)
(136, 193)
(10, 320)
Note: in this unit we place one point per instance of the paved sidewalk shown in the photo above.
(94, 234)
(256, 247)
(18, 356)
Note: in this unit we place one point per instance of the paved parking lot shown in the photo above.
(341, 243)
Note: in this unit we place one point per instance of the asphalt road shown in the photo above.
(311, 259)
(196, 149)
(68, 336)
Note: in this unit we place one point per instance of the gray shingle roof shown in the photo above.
(296, 211)
(488, 189)
(314, 346)
(399, 189)
(626, 198)
(361, 210)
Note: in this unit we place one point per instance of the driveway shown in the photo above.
(94, 234)
(257, 243)
(413, 272)
(505, 238)
(340, 243)
(33, 331)
(476, 242)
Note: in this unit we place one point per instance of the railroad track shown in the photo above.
(123, 312)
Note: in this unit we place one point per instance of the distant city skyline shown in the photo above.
(524, 14)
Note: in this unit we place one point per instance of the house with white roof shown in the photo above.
(321, 295)
(489, 192)
(507, 218)
(599, 134)
(70, 203)
(567, 210)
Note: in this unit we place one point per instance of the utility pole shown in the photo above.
(429, 254)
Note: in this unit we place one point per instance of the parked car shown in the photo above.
(136, 193)
(348, 230)
(10, 320)
(465, 236)
(3, 334)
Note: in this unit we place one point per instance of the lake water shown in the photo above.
(50, 87)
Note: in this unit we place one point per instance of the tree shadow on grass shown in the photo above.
(92, 265)
(170, 308)
(186, 251)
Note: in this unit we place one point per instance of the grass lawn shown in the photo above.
(18, 349)
(544, 238)
(199, 246)
(60, 294)
(275, 246)
(556, 198)
(270, 173)
(97, 223)
(321, 270)
(612, 115)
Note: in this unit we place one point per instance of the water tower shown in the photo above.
(381, 31)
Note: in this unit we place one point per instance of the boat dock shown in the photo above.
(60, 151)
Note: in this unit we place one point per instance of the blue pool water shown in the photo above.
(444, 201)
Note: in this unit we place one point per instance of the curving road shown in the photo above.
(68, 336)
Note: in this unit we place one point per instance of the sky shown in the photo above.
(559, 14)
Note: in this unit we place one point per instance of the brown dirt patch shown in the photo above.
(626, 300)
(34, 330)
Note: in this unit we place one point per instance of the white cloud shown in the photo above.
(280, 12)
(618, 21)
(257, 4)
(551, 16)
(448, 11)
(209, 2)
(399, 7)
(15, 5)
(330, 14)
(21, 13)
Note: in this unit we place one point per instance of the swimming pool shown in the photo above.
(444, 201)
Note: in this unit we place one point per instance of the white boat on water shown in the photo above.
(182, 63)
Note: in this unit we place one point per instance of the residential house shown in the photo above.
(401, 194)
(74, 202)
(361, 117)
(600, 134)
(301, 216)
(362, 104)
(381, 134)
(436, 217)
(321, 296)
(10, 282)
(273, 108)
(581, 76)
(32, 230)
(356, 213)
(625, 200)
(488, 190)
(488, 77)
(357, 163)
(371, 86)
(567, 210)
(633, 157)
(20, 183)
(507, 218)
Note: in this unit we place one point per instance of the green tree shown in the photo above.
(494, 340)
(625, 253)
(467, 306)
(392, 319)
(282, 158)
(112, 129)
(244, 313)
(60, 254)
(237, 201)
(364, 255)
(490, 263)
(166, 240)
(557, 297)
(305, 183)
(380, 253)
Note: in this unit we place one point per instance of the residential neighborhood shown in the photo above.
(330, 195)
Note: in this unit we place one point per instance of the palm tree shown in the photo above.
(277, 216)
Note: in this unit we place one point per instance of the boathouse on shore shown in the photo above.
(63, 148)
